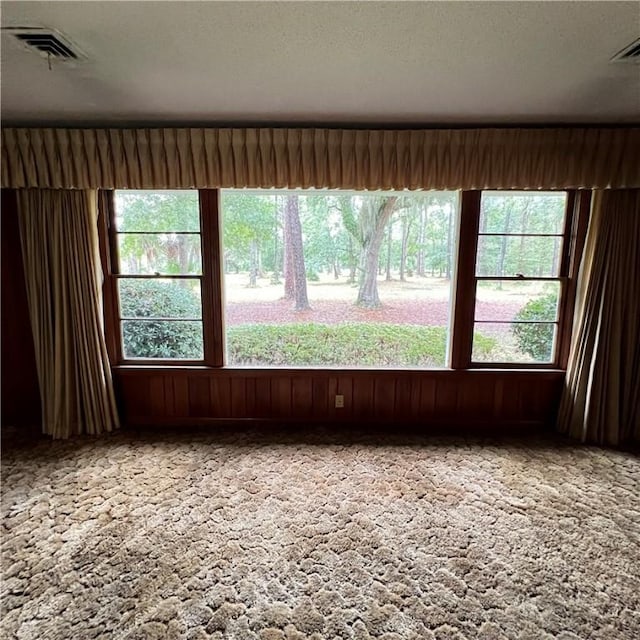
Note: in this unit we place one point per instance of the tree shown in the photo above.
(294, 253)
(536, 338)
(152, 338)
(248, 224)
(157, 232)
(373, 215)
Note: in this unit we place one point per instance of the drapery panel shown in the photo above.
(58, 230)
(601, 398)
(488, 158)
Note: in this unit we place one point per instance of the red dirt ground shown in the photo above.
(422, 312)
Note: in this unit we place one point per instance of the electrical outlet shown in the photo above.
(339, 402)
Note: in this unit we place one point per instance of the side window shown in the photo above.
(157, 263)
(519, 277)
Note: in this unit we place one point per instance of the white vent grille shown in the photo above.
(48, 43)
(630, 53)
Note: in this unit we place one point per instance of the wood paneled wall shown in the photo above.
(20, 390)
(479, 398)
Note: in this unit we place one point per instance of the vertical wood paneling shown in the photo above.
(281, 396)
(447, 398)
(239, 398)
(320, 396)
(363, 396)
(478, 396)
(384, 398)
(169, 398)
(250, 391)
(181, 395)
(345, 388)
(263, 397)
(302, 396)
(157, 397)
(427, 397)
(421, 398)
(220, 393)
(135, 396)
(403, 399)
(498, 397)
(199, 397)
(416, 398)
(511, 398)
(19, 380)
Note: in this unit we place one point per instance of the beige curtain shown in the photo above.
(490, 158)
(601, 398)
(59, 243)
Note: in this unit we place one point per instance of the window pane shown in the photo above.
(158, 298)
(514, 343)
(164, 253)
(534, 256)
(162, 339)
(506, 301)
(338, 278)
(157, 211)
(522, 212)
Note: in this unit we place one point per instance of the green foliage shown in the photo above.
(537, 339)
(520, 213)
(158, 338)
(349, 344)
(249, 219)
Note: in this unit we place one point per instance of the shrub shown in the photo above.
(348, 344)
(537, 339)
(157, 338)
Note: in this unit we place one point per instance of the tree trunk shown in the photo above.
(373, 223)
(336, 269)
(448, 248)
(275, 279)
(406, 228)
(287, 269)
(292, 213)
(253, 269)
(353, 263)
(421, 230)
(388, 276)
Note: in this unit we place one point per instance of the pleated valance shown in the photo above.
(486, 158)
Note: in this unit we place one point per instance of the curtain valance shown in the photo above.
(488, 158)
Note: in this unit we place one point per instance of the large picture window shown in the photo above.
(286, 278)
(338, 278)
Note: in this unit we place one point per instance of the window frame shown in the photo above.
(573, 237)
(463, 286)
(209, 283)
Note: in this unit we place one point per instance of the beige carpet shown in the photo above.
(270, 537)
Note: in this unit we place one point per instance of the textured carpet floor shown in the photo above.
(267, 537)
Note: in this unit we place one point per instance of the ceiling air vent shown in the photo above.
(630, 53)
(48, 43)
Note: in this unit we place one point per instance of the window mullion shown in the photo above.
(211, 278)
(465, 291)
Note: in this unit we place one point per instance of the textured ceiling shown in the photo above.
(403, 63)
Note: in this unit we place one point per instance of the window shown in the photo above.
(285, 278)
(338, 278)
(518, 279)
(157, 274)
